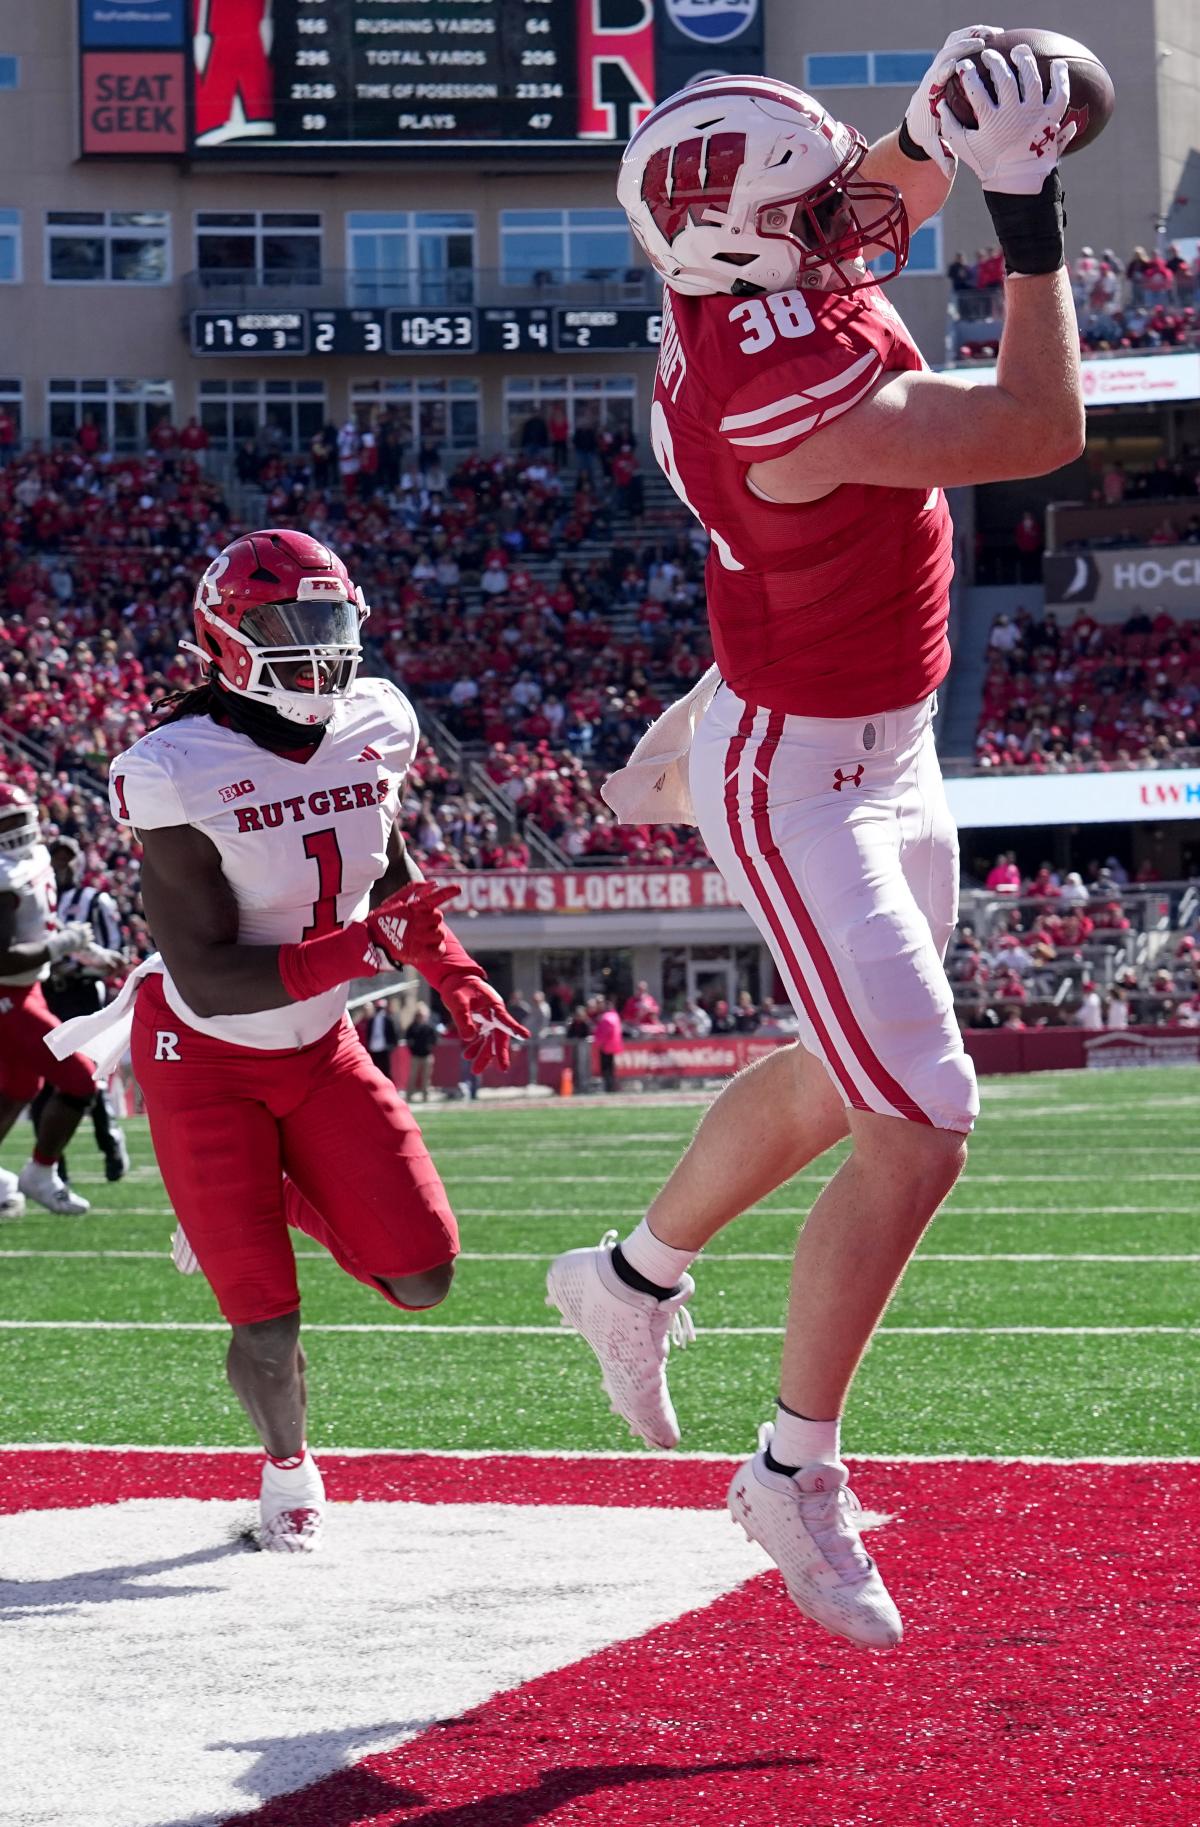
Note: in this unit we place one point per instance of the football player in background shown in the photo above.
(273, 874)
(794, 415)
(76, 987)
(31, 942)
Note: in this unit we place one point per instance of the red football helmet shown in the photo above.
(279, 618)
(744, 184)
(20, 831)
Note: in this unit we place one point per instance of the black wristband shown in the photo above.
(1031, 230)
(908, 144)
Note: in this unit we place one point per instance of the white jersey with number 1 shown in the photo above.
(301, 842)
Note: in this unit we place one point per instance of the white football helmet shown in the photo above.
(743, 184)
(20, 829)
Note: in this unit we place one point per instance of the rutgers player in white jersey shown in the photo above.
(273, 875)
(795, 417)
(31, 940)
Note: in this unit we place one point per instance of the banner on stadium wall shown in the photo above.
(1131, 380)
(1169, 1047)
(1152, 577)
(1142, 796)
(588, 891)
(669, 1057)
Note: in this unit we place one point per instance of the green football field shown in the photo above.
(1053, 1310)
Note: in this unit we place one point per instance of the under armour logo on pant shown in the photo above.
(841, 780)
(166, 1045)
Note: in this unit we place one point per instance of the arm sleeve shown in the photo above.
(142, 793)
(779, 407)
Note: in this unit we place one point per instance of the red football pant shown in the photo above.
(25, 1060)
(228, 1124)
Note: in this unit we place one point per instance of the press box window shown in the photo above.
(10, 246)
(865, 69)
(108, 247)
(283, 246)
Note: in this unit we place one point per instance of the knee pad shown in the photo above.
(400, 1290)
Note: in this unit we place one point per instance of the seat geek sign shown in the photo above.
(132, 101)
(132, 78)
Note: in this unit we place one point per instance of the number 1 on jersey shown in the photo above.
(321, 847)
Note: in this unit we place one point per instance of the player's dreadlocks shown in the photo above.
(190, 701)
(258, 721)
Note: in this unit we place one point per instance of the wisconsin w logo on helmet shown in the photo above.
(742, 184)
(682, 183)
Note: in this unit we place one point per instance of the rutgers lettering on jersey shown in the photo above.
(289, 883)
(837, 607)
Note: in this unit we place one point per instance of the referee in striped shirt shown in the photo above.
(74, 988)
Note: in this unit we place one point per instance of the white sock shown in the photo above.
(798, 1441)
(656, 1260)
(296, 1467)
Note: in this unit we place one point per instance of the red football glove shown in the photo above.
(409, 927)
(483, 1024)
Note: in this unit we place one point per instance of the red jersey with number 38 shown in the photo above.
(301, 843)
(835, 608)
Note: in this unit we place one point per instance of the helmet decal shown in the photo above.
(698, 178)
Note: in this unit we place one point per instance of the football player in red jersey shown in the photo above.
(794, 415)
(31, 940)
(273, 875)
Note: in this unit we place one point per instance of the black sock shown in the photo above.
(642, 1283)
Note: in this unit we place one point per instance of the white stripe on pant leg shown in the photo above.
(838, 1043)
(712, 756)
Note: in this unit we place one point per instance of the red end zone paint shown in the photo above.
(60, 1479)
(1048, 1674)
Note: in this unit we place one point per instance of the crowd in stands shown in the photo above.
(1086, 695)
(1175, 481)
(1051, 948)
(548, 662)
(513, 598)
(1148, 301)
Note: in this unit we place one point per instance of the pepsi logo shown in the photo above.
(712, 21)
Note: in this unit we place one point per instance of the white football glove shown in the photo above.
(1020, 138)
(69, 941)
(99, 958)
(921, 116)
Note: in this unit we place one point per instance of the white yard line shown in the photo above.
(623, 1214)
(708, 1259)
(589, 1453)
(400, 1331)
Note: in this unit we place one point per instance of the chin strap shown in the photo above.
(261, 722)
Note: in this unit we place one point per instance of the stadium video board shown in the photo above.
(263, 80)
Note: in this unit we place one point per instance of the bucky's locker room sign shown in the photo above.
(363, 79)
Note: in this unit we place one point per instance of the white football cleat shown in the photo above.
(12, 1200)
(182, 1253)
(807, 1524)
(630, 1332)
(292, 1509)
(45, 1186)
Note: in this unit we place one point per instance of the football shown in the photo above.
(1092, 93)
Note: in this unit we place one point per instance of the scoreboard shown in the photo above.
(471, 330)
(383, 79)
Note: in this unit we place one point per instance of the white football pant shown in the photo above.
(835, 835)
